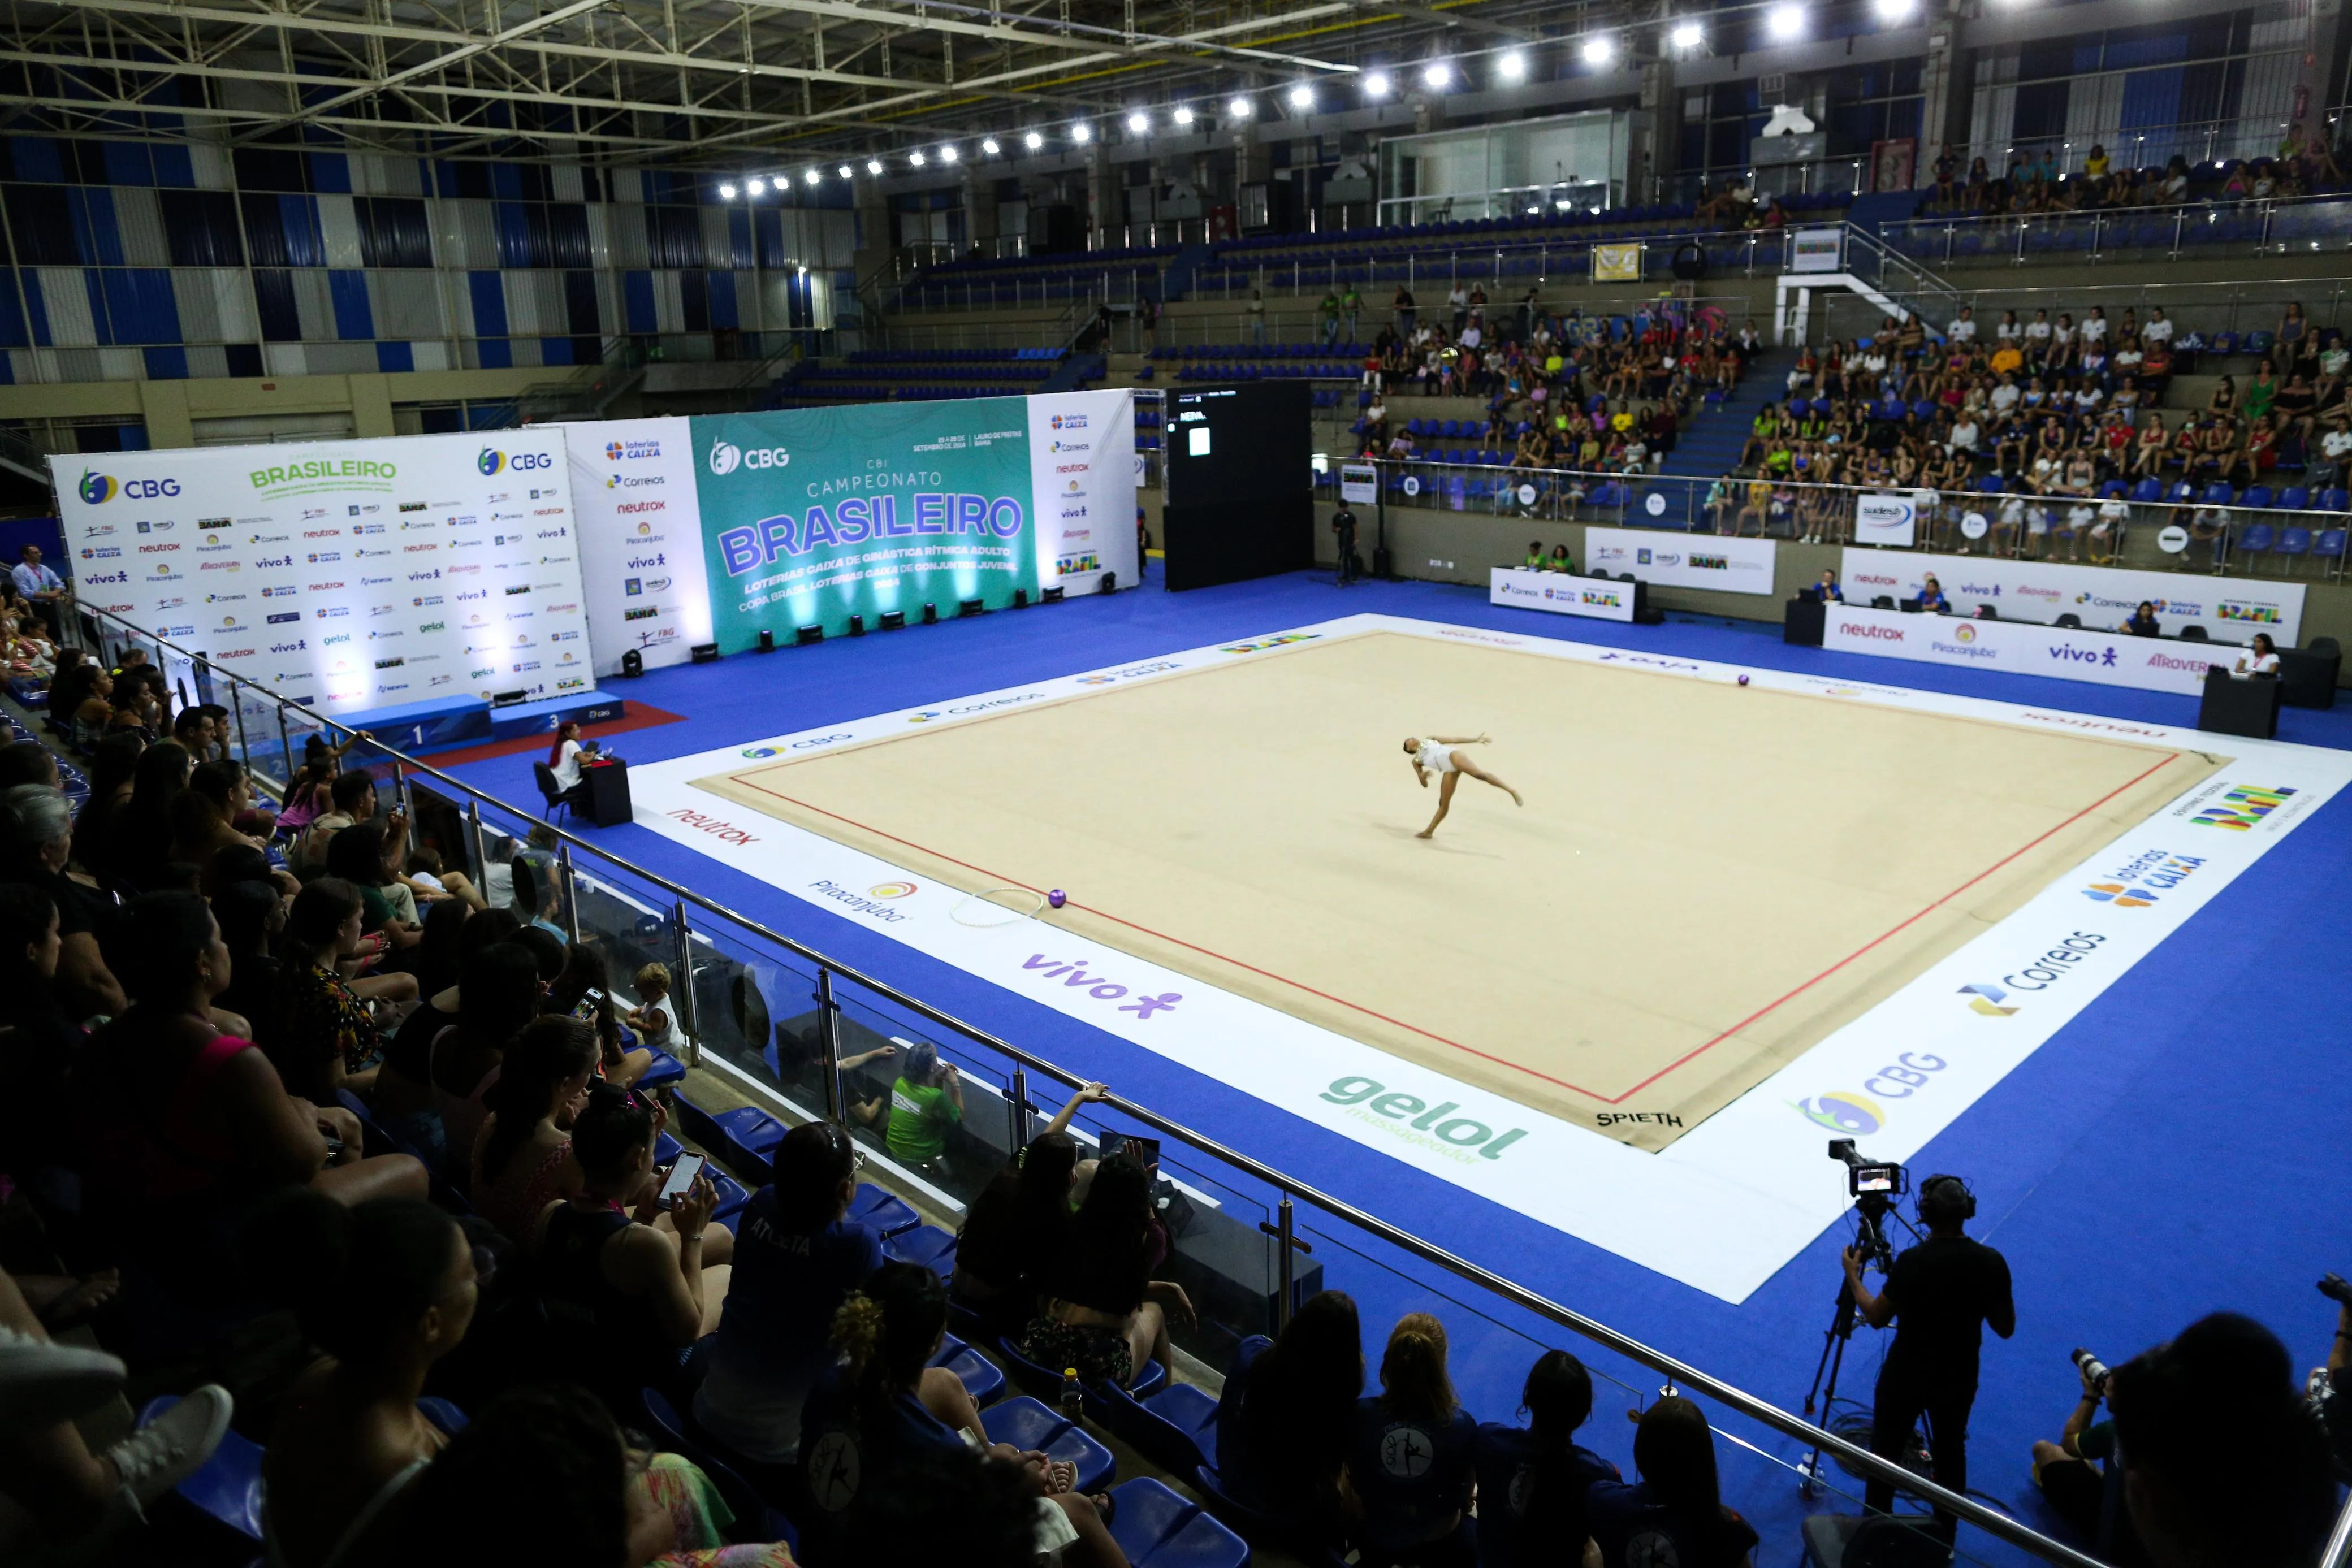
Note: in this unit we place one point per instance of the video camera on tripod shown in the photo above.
(1874, 1185)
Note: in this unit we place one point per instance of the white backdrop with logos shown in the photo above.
(2022, 648)
(1560, 594)
(1082, 478)
(1885, 519)
(1665, 559)
(349, 575)
(2231, 609)
(641, 539)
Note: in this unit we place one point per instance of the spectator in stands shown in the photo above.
(2221, 1373)
(1402, 307)
(886, 1407)
(2335, 448)
(184, 1129)
(383, 1290)
(1285, 1419)
(589, 1498)
(655, 1018)
(1254, 314)
(1532, 1481)
(353, 799)
(1410, 1454)
(521, 1161)
(1676, 1512)
(796, 1258)
(1103, 1312)
(1015, 1230)
(39, 1039)
(203, 815)
(926, 1101)
(2173, 191)
(443, 1116)
(1327, 310)
(634, 1295)
(79, 1503)
(36, 843)
(356, 855)
(584, 989)
(43, 589)
(328, 1039)
(143, 837)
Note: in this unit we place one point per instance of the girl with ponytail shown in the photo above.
(1410, 1455)
(383, 1290)
(522, 1161)
(1675, 1515)
(1532, 1480)
(887, 1408)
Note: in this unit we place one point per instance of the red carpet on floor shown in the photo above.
(639, 716)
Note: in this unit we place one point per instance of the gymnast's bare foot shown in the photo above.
(1515, 800)
(1427, 833)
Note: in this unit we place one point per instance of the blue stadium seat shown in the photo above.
(666, 1070)
(2329, 545)
(1175, 1428)
(228, 1488)
(2294, 539)
(2218, 494)
(2255, 539)
(1028, 1423)
(2335, 499)
(981, 1378)
(2148, 491)
(928, 1245)
(884, 1211)
(2257, 496)
(2294, 499)
(1156, 1528)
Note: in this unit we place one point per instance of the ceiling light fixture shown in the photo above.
(1600, 49)
(1437, 74)
(727, 192)
(1376, 85)
(814, 177)
(1034, 140)
(845, 172)
(916, 157)
(1302, 97)
(1182, 117)
(1137, 123)
(1239, 108)
(874, 165)
(988, 147)
(1686, 36)
(755, 186)
(1785, 22)
(1512, 67)
(1082, 133)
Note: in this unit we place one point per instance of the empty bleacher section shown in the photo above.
(914, 375)
(978, 284)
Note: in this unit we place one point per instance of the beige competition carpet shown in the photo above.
(1705, 881)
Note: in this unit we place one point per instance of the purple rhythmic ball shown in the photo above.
(1057, 898)
(1743, 680)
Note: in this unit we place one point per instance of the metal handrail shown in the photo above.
(1679, 1372)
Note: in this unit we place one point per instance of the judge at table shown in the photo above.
(2259, 659)
(1931, 597)
(1827, 590)
(2143, 622)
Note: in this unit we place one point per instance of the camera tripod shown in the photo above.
(1874, 1209)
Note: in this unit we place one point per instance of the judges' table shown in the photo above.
(2022, 648)
(1565, 593)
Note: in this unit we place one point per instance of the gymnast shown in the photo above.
(1436, 755)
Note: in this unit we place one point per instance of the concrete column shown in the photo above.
(1655, 152)
(1946, 85)
(1103, 214)
(372, 405)
(163, 405)
(979, 210)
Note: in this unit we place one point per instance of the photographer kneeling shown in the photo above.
(1939, 1294)
(2078, 1474)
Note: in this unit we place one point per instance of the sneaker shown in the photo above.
(43, 1383)
(175, 1446)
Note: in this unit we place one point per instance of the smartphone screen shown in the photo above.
(589, 1006)
(1145, 1152)
(682, 1177)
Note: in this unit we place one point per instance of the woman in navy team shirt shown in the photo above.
(1410, 1459)
(1532, 1480)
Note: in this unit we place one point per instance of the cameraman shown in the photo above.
(1939, 1294)
(2079, 1477)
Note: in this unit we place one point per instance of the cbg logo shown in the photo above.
(726, 457)
(95, 489)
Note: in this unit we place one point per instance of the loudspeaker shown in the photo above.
(767, 640)
(704, 653)
(1110, 581)
(1020, 599)
(1051, 596)
(857, 625)
(892, 620)
(931, 613)
(1381, 566)
(807, 636)
(633, 663)
(1690, 262)
(968, 606)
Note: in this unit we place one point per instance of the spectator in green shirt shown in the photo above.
(1352, 305)
(926, 1101)
(1330, 309)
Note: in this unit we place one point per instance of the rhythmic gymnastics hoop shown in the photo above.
(987, 895)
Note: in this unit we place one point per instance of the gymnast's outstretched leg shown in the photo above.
(1462, 762)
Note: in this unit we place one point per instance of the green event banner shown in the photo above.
(811, 515)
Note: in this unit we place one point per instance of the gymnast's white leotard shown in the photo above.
(1437, 758)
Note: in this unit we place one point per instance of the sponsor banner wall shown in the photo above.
(1560, 594)
(2106, 658)
(2231, 609)
(1729, 1203)
(641, 539)
(1082, 478)
(1681, 560)
(811, 515)
(347, 575)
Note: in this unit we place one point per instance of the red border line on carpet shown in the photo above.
(1679, 1062)
(639, 716)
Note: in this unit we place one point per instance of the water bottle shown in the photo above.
(1074, 1399)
